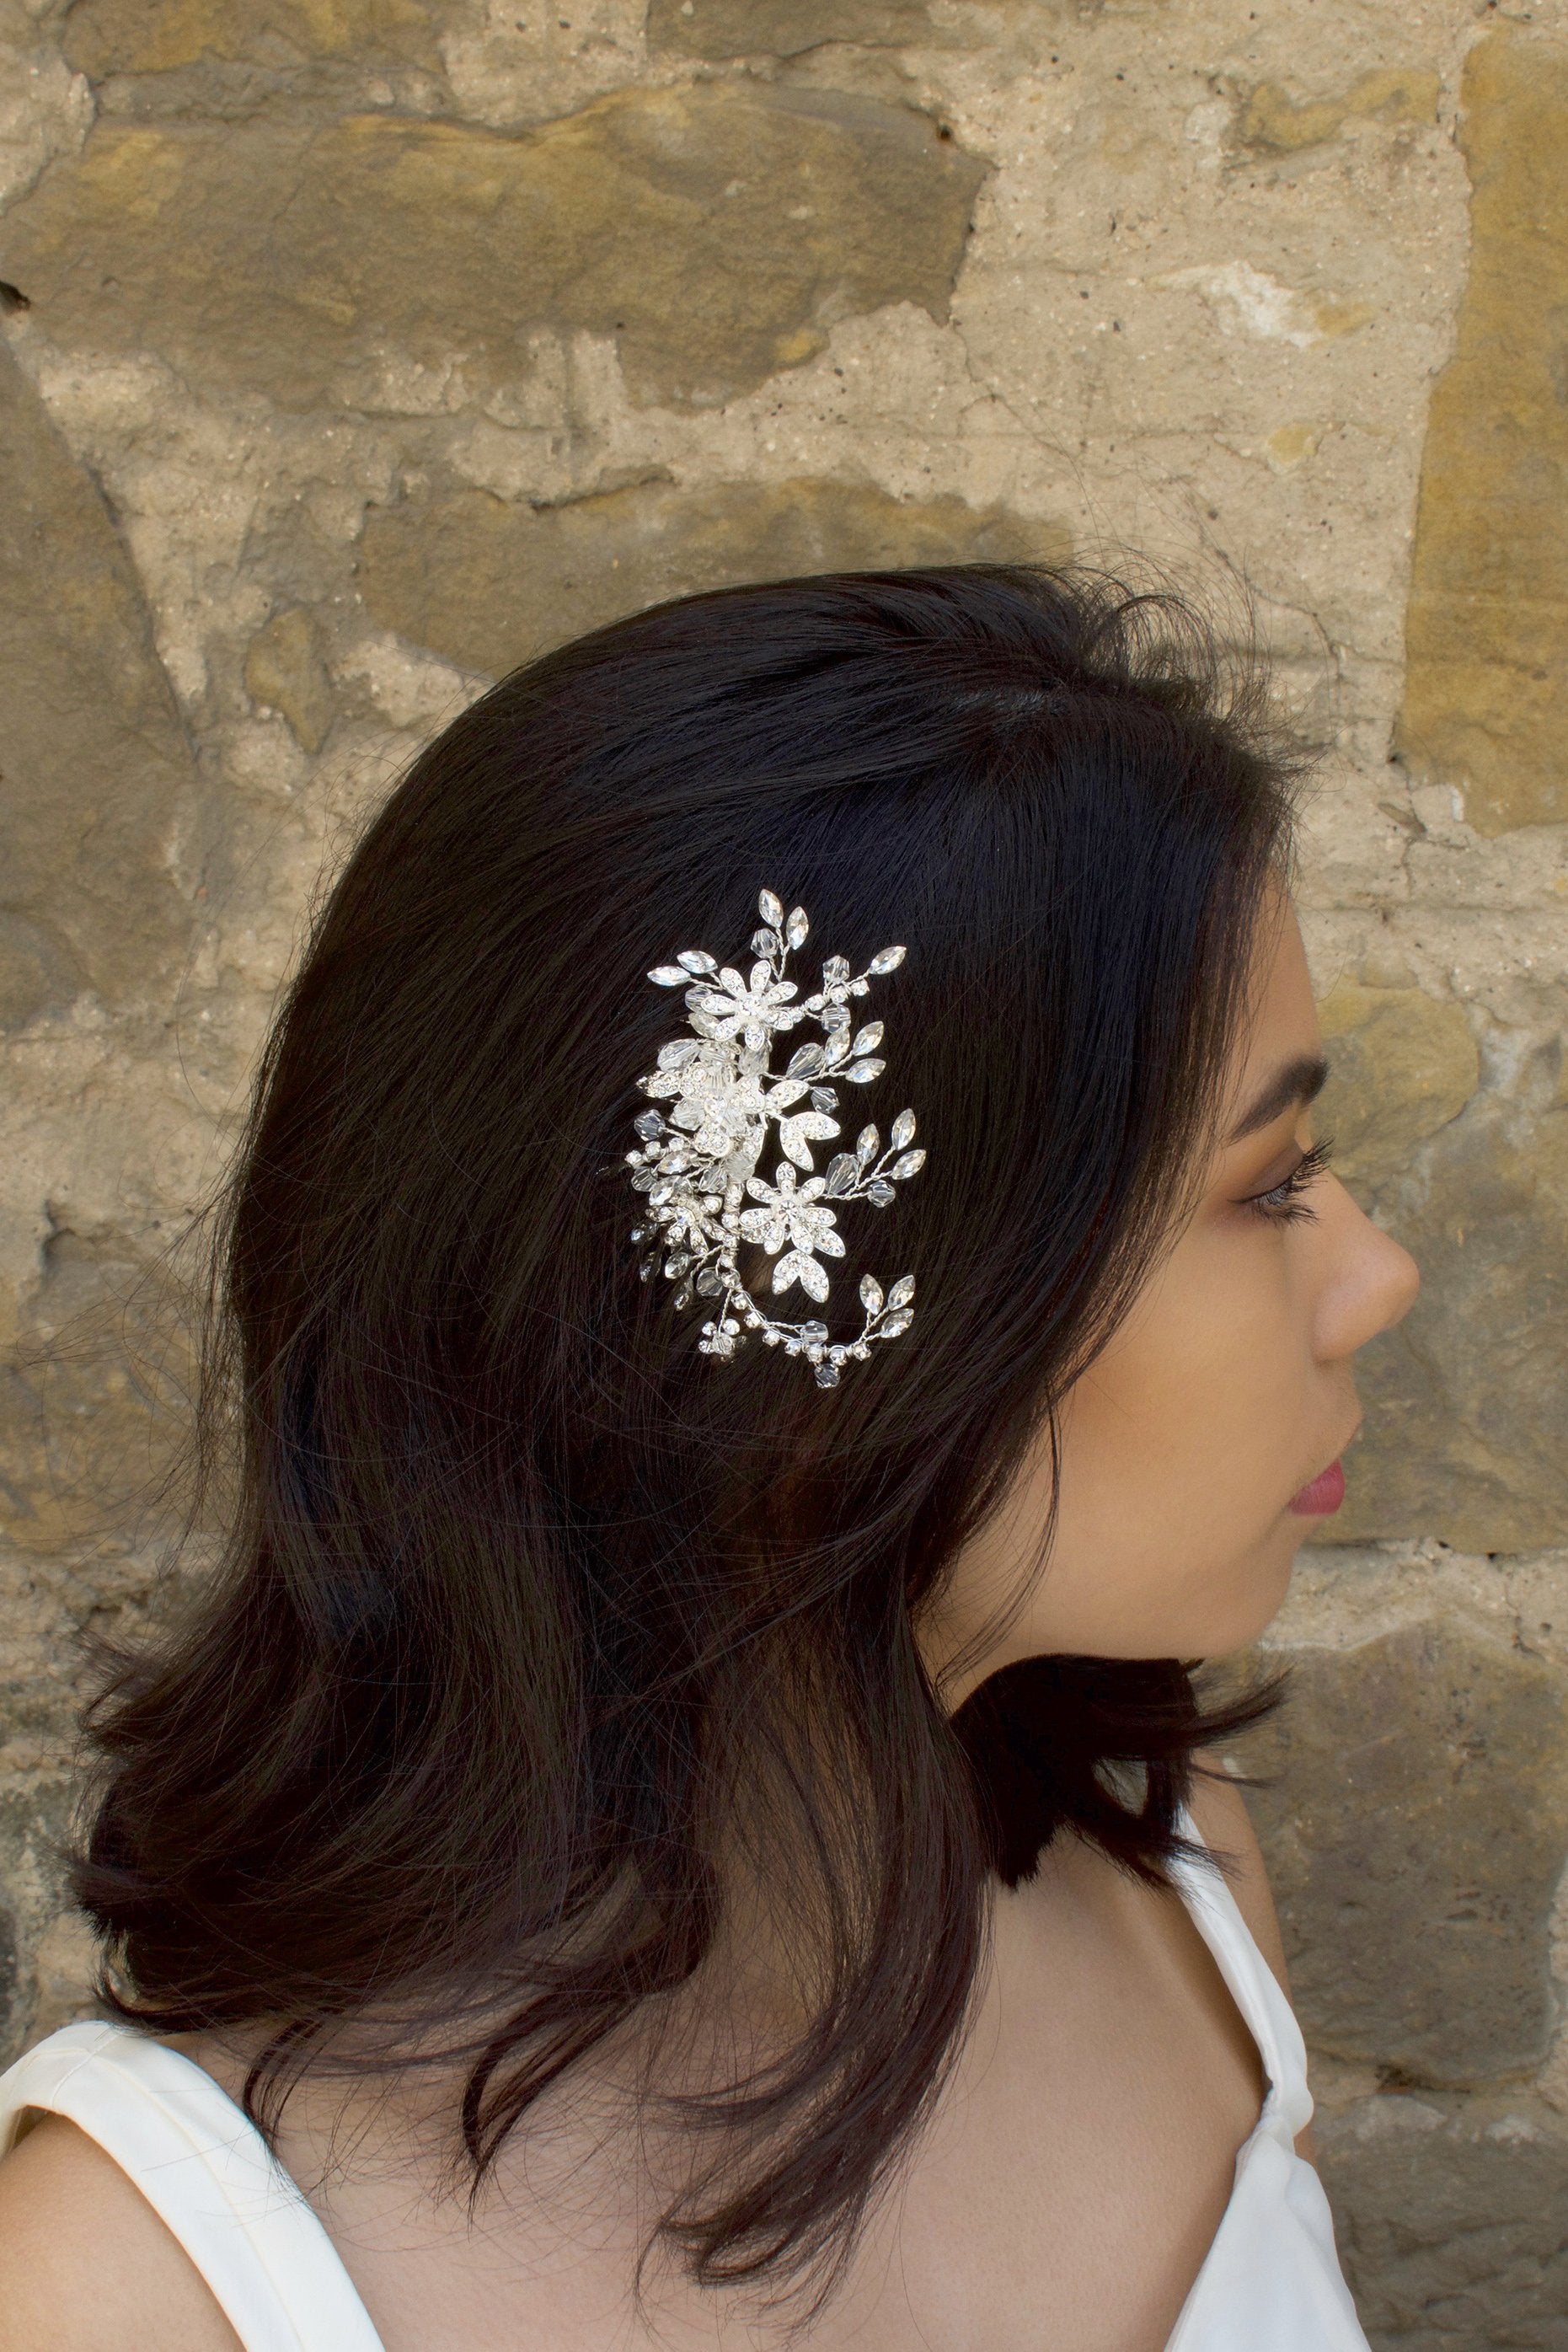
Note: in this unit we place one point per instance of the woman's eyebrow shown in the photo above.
(1296, 1081)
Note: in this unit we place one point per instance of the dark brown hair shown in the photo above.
(525, 1600)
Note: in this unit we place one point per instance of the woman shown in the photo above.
(679, 1816)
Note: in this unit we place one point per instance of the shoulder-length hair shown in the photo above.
(527, 1606)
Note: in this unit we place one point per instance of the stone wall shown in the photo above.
(354, 348)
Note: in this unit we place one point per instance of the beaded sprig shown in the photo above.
(698, 1166)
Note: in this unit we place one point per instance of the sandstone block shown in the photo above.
(92, 1402)
(96, 772)
(64, 1967)
(1415, 1817)
(11, 2017)
(285, 671)
(34, 1821)
(138, 36)
(1467, 1430)
(715, 232)
(1452, 2220)
(1404, 1064)
(1485, 695)
(487, 585)
(1274, 122)
(782, 28)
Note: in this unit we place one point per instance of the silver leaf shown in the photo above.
(886, 959)
(902, 1291)
(868, 1039)
(861, 1073)
(891, 1325)
(908, 1165)
(796, 928)
(866, 1144)
(902, 1130)
(669, 976)
(695, 960)
(804, 1061)
(770, 908)
(871, 1293)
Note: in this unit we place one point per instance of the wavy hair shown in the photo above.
(531, 1619)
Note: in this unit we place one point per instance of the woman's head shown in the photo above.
(528, 1602)
(1175, 1490)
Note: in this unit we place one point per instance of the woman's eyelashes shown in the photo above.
(1284, 1202)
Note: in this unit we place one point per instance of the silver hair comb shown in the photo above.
(698, 1166)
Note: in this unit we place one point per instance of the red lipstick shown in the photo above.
(1325, 1494)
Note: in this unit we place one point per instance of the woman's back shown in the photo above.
(1073, 2185)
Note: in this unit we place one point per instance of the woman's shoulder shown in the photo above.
(88, 2265)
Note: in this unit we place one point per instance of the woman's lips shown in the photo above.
(1325, 1494)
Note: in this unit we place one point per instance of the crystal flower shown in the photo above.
(793, 1212)
(731, 1007)
(696, 1166)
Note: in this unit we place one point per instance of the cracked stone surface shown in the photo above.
(353, 348)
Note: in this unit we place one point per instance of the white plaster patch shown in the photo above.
(411, 689)
(1248, 301)
(1391, 2117)
(45, 111)
(526, 64)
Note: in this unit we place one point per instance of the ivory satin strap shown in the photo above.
(207, 2173)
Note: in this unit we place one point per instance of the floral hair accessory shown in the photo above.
(698, 1167)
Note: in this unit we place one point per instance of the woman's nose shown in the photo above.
(1371, 1280)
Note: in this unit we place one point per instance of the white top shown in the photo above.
(1270, 2278)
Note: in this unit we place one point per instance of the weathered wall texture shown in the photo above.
(354, 348)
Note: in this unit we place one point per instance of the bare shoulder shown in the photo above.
(88, 2265)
